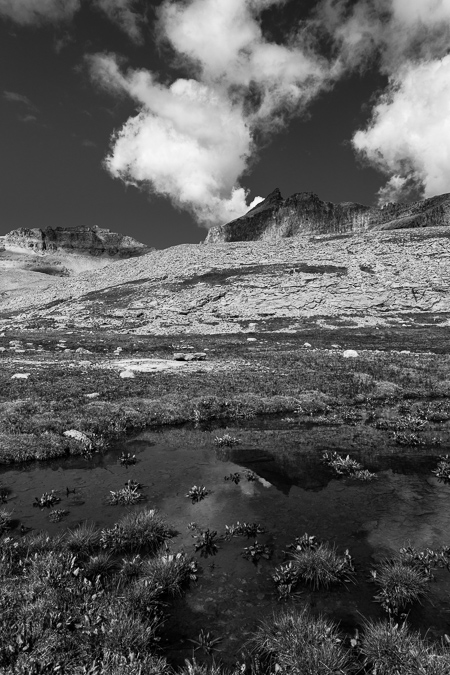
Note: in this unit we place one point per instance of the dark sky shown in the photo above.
(55, 129)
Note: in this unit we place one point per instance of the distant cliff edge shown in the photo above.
(305, 213)
(88, 241)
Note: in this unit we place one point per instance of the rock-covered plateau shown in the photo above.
(371, 278)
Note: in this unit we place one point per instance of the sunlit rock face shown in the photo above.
(92, 241)
(305, 213)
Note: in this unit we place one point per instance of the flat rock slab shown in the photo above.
(154, 365)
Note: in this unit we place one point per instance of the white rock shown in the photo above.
(2, 349)
(127, 374)
(78, 436)
(336, 347)
(20, 376)
(81, 350)
(95, 394)
(350, 354)
(251, 339)
(307, 344)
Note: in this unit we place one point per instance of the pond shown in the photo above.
(293, 493)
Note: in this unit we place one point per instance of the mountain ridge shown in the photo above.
(305, 213)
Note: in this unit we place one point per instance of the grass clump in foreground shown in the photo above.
(137, 532)
(400, 585)
(314, 563)
(388, 648)
(67, 606)
(296, 642)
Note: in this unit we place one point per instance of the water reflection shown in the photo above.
(295, 493)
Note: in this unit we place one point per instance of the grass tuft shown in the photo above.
(136, 532)
(295, 641)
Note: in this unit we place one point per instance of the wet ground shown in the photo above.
(294, 493)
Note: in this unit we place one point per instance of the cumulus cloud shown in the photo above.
(407, 137)
(30, 12)
(126, 14)
(193, 139)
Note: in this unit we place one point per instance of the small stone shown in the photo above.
(307, 345)
(127, 374)
(350, 354)
(3, 349)
(77, 435)
(336, 347)
(81, 350)
(95, 394)
(21, 376)
(251, 339)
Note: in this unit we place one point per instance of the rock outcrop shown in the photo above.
(305, 213)
(90, 241)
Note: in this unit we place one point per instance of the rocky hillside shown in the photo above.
(304, 213)
(92, 241)
(373, 278)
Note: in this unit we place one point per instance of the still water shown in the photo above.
(294, 493)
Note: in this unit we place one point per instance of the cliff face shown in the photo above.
(304, 213)
(88, 241)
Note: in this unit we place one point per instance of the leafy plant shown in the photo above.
(250, 530)
(5, 520)
(46, 500)
(442, 471)
(226, 440)
(56, 515)
(125, 496)
(197, 493)
(286, 578)
(233, 477)
(206, 541)
(256, 551)
(206, 642)
(126, 458)
(345, 466)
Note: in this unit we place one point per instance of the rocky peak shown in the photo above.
(305, 213)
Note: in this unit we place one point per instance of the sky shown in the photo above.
(161, 118)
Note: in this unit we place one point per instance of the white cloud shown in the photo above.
(193, 139)
(126, 15)
(409, 134)
(29, 12)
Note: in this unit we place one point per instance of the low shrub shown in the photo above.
(136, 532)
(295, 641)
(400, 585)
(169, 573)
(84, 539)
(389, 648)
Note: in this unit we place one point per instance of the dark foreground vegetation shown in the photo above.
(94, 602)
